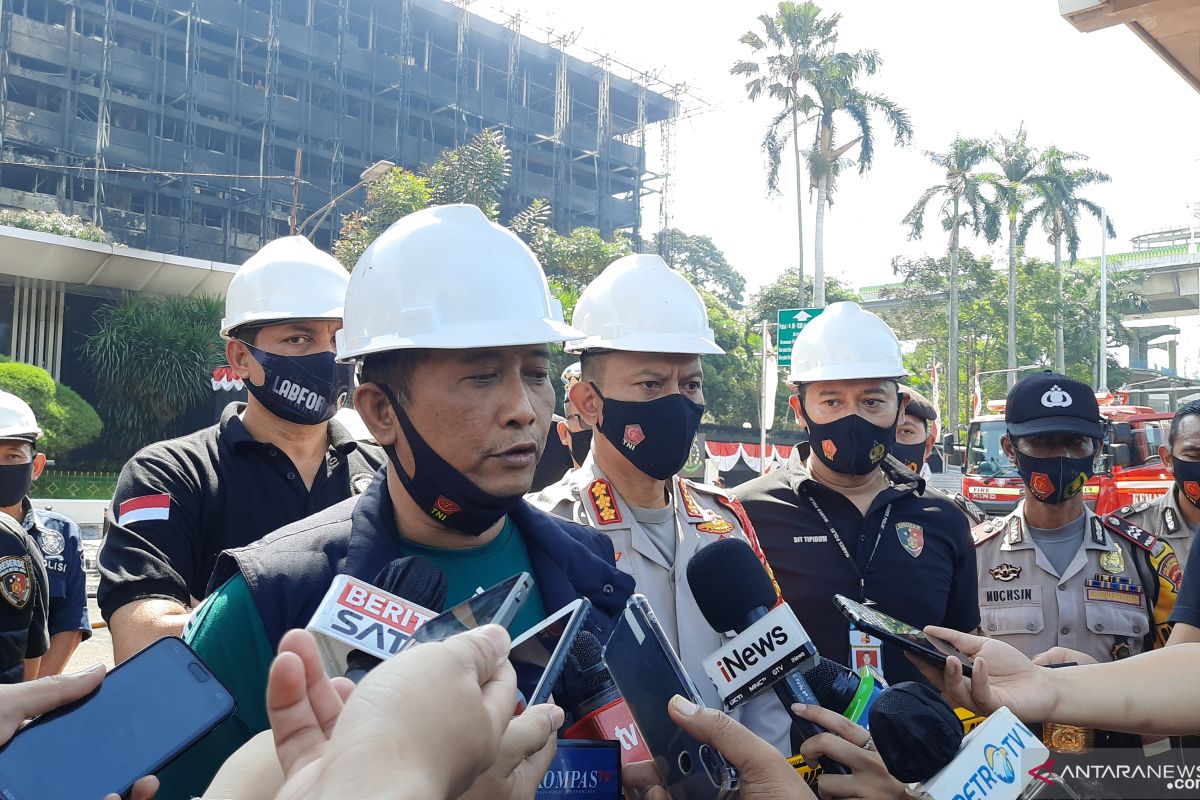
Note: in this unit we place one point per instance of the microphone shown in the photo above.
(375, 620)
(594, 706)
(772, 649)
(920, 740)
(851, 694)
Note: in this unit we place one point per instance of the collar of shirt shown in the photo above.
(901, 479)
(234, 432)
(1095, 536)
(29, 519)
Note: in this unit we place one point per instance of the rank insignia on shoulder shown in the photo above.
(1142, 506)
(986, 530)
(1005, 572)
(1170, 520)
(1125, 510)
(717, 524)
(600, 492)
(690, 506)
(1015, 534)
(1098, 532)
(1126, 529)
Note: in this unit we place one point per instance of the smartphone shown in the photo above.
(538, 655)
(648, 673)
(900, 633)
(495, 606)
(146, 712)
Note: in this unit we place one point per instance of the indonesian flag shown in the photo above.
(936, 389)
(137, 509)
(976, 396)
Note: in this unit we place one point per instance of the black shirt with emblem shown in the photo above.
(24, 601)
(912, 556)
(1187, 604)
(180, 502)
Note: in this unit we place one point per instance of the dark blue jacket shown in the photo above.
(289, 571)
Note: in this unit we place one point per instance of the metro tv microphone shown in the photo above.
(920, 739)
(357, 621)
(593, 703)
(772, 649)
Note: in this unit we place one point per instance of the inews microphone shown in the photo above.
(920, 739)
(772, 649)
(851, 694)
(355, 615)
(414, 579)
(593, 703)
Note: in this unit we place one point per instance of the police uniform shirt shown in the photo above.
(24, 599)
(922, 571)
(1164, 519)
(62, 550)
(1102, 603)
(179, 503)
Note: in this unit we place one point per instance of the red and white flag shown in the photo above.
(137, 509)
(976, 396)
(936, 389)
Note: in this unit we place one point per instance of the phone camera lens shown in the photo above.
(685, 763)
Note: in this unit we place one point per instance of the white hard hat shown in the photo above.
(287, 279)
(448, 278)
(16, 419)
(639, 304)
(845, 343)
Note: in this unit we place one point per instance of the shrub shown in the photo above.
(67, 421)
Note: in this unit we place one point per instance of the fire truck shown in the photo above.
(1128, 468)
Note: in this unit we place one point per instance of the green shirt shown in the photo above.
(228, 635)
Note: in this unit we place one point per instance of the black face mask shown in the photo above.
(15, 480)
(1055, 480)
(581, 443)
(656, 435)
(910, 455)
(850, 445)
(441, 491)
(306, 390)
(1187, 478)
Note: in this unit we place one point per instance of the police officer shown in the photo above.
(56, 535)
(1175, 515)
(1052, 573)
(24, 600)
(843, 518)
(276, 459)
(914, 442)
(448, 315)
(642, 391)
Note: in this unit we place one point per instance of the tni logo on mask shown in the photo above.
(444, 508)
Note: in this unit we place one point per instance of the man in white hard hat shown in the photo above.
(641, 389)
(448, 316)
(276, 459)
(56, 534)
(844, 517)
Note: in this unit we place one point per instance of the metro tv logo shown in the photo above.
(747, 657)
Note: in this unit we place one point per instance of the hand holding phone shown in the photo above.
(900, 633)
(495, 606)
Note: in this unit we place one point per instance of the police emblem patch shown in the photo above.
(912, 538)
(1041, 485)
(52, 542)
(1005, 572)
(829, 448)
(1192, 490)
(14, 580)
(633, 436)
(1170, 571)
(1112, 561)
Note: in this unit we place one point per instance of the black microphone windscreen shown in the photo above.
(915, 731)
(728, 581)
(584, 673)
(415, 579)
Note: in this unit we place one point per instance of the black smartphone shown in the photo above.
(538, 654)
(146, 712)
(647, 671)
(900, 633)
(495, 606)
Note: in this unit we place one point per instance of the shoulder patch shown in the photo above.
(969, 508)
(15, 583)
(600, 492)
(1142, 506)
(1170, 520)
(981, 533)
(1127, 530)
(1016, 533)
(690, 506)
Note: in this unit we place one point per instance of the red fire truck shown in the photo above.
(1128, 469)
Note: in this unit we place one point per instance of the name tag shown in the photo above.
(810, 539)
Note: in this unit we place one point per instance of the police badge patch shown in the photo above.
(912, 538)
(14, 580)
(52, 542)
(1005, 572)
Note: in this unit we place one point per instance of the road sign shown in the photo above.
(791, 322)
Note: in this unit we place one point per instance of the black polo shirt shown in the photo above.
(1187, 604)
(922, 570)
(179, 503)
(24, 601)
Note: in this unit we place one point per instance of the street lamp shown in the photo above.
(368, 175)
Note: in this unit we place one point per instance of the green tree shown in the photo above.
(396, 194)
(475, 173)
(703, 262)
(780, 293)
(577, 257)
(961, 204)
(1014, 186)
(51, 222)
(788, 47)
(153, 359)
(1058, 207)
(67, 421)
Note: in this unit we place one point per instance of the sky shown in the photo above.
(959, 68)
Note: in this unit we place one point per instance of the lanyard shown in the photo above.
(862, 580)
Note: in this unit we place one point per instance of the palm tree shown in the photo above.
(790, 43)
(962, 204)
(1014, 186)
(834, 78)
(1059, 209)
